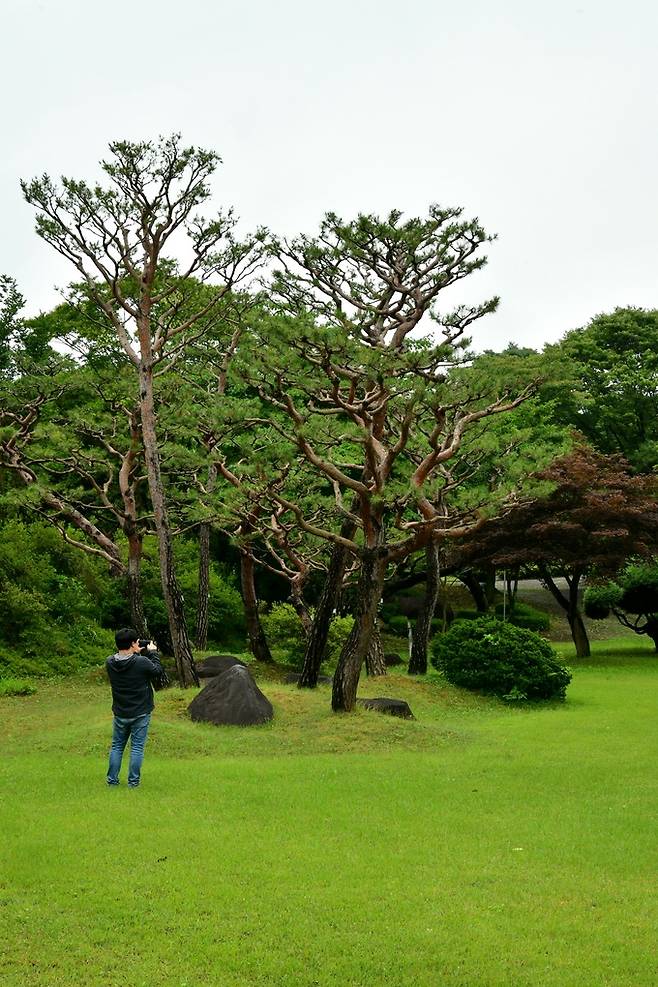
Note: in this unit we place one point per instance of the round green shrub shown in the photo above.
(600, 599)
(498, 658)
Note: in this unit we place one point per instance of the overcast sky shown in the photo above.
(538, 117)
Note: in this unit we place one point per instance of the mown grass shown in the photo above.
(478, 845)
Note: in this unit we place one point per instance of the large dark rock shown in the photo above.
(394, 707)
(232, 698)
(393, 659)
(216, 664)
(293, 677)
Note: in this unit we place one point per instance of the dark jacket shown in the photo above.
(130, 678)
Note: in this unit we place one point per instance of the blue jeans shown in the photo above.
(137, 729)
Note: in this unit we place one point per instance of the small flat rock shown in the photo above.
(231, 699)
(216, 664)
(394, 707)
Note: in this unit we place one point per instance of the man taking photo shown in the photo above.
(131, 675)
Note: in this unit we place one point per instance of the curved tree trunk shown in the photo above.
(316, 644)
(203, 596)
(423, 626)
(185, 667)
(368, 595)
(257, 640)
(570, 605)
(299, 604)
(473, 585)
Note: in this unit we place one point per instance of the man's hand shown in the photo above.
(151, 646)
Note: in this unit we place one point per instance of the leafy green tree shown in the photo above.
(11, 303)
(116, 238)
(368, 406)
(594, 516)
(609, 386)
(632, 597)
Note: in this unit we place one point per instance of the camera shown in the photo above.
(144, 644)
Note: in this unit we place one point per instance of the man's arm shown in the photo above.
(153, 663)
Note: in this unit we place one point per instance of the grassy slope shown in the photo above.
(479, 845)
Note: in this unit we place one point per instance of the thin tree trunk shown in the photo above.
(369, 591)
(316, 644)
(185, 667)
(490, 585)
(203, 595)
(423, 626)
(257, 640)
(570, 605)
(299, 603)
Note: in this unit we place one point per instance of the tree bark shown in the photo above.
(316, 644)
(137, 615)
(579, 634)
(257, 640)
(423, 626)
(369, 591)
(185, 667)
(375, 664)
(299, 603)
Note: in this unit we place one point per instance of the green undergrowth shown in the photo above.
(479, 845)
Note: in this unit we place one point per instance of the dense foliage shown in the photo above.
(495, 657)
(285, 634)
(632, 597)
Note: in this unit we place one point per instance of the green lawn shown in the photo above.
(478, 845)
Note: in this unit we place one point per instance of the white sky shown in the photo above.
(538, 117)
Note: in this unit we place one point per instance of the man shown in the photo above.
(130, 674)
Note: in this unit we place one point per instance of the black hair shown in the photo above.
(125, 637)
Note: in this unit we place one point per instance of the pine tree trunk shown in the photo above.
(257, 640)
(135, 596)
(375, 664)
(368, 595)
(299, 604)
(185, 667)
(203, 596)
(316, 644)
(423, 627)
